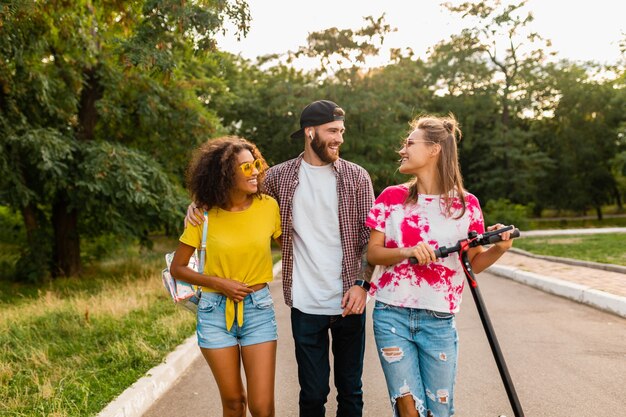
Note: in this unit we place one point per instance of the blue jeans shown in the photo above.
(259, 324)
(418, 353)
(310, 334)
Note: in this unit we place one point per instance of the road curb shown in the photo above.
(137, 398)
(581, 293)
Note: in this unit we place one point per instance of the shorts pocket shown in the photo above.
(262, 299)
(207, 304)
(440, 315)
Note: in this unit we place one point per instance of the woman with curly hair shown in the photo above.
(235, 322)
(413, 316)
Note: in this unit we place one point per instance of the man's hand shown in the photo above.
(353, 302)
(195, 216)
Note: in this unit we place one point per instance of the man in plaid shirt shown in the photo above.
(324, 201)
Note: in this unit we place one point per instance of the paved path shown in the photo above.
(611, 282)
(195, 393)
(558, 353)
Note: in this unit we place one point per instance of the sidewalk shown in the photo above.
(592, 284)
(602, 289)
(599, 285)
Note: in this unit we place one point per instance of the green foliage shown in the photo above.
(263, 105)
(10, 239)
(11, 226)
(102, 105)
(581, 139)
(36, 164)
(507, 213)
(173, 26)
(618, 162)
(506, 163)
(99, 113)
(603, 248)
(341, 51)
(503, 160)
(124, 192)
(101, 247)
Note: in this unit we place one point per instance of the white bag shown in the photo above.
(181, 292)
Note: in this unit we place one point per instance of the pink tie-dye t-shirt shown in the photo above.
(437, 286)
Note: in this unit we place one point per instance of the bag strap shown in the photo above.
(202, 251)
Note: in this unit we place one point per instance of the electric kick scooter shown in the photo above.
(474, 239)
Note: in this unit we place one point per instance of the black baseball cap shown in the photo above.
(317, 113)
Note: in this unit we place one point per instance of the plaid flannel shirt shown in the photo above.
(356, 197)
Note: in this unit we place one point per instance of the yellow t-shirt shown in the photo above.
(238, 244)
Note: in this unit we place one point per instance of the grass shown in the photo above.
(608, 248)
(67, 348)
(576, 223)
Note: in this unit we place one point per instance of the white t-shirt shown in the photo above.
(437, 286)
(317, 253)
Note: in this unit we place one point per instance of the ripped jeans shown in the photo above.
(418, 353)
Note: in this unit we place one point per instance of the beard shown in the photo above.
(321, 150)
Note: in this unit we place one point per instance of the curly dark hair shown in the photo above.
(211, 172)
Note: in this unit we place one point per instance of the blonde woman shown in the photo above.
(415, 305)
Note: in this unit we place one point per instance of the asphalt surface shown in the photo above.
(564, 358)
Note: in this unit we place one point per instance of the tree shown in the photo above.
(496, 57)
(379, 107)
(267, 96)
(262, 104)
(582, 138)
(618, 163)
(343, 52)
(84, 87)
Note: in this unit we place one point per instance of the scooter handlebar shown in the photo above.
(443, 251)
(497, 238)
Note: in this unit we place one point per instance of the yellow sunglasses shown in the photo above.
(247, 167)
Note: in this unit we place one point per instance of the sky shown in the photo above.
(580, 30)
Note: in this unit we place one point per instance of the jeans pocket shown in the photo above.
(206, 304)
(379, 305)
(440, 315)
(262, 299)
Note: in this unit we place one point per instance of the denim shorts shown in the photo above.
(418, 352)
(259, 324)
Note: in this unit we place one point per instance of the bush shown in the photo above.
(11, 241)
(505, 212)
(11, 225)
